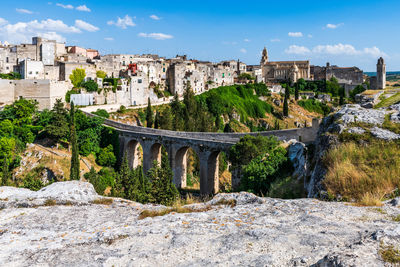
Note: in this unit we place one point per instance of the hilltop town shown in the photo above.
(41, 71)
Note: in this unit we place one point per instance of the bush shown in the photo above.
(69, 93)
(103, 180)
(313, 105)
(102, 113)
(358, 90)
(106, 157)
(90, 86)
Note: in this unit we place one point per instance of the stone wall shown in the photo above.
(45, 92)
(7, 89)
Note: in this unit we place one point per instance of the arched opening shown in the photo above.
(134, 153)
(156, 152)
(186, 168)
(224, 174)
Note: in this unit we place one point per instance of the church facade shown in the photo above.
(279, 71)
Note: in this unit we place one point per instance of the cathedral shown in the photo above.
(279, 71)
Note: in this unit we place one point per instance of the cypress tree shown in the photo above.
(157, 120)
(166, 119)
(296, 92)
(149, 115)
(177, 112)
(5, 173)
(285, 102)
(341, 93)
(163, 191)
(75, 163)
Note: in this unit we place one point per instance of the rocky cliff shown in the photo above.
(68, 224)
(350, 119)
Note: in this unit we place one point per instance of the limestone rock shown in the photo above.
(255, 232)
(297, 154)
(356, 130)
(384, 134)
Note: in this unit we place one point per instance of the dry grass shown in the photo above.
(390, 254)
(103, 201)
(364, 174)
(396, 218)
(155, 213)
(226, 202)
(50, 202)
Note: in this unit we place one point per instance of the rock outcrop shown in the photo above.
(347, 120)
(253, 232)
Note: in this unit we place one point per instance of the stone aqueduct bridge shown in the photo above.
(207, 146)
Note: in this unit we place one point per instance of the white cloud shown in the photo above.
(157, 36)
(109, 39)
(244, 51)
(3, 21)
(83, 8)
(65, 6)
(337, 49)
(246, 40)
(122, 23)
(85, 26)
(333, 26)
(298, 50)
(23, 11)
(24, 31)
(295, 34)
(155, 17)
(276, 40)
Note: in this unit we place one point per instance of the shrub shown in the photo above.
(102, 113)
(313, 105)
(69, 93)
(106, 156)
(90, 86)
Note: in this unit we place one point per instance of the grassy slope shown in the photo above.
(389, 101)
(363, 173)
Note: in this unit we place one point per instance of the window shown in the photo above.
(223, 75)
(37, 73)
(139, 80)
(30, 72)
(7, 60)
(163, 69)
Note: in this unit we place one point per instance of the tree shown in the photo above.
(285, 102)
(177, 112)
(149, 115)
(260, 172)
(75, 162)
(101, 74)
(5, 173)
(358, 90)
(58, 125)
(77, 77)
(163, 190)
(106, 157)
(90, 86)
(166, 119)
(189, 113)
(341, 95)
(157, 120)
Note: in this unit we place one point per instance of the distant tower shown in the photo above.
(381, 74)
(264, 58)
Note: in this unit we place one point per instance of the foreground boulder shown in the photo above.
(237, 229)
(71, 192)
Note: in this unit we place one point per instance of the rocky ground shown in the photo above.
(61, 225)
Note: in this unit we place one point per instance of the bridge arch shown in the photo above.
(134, 153)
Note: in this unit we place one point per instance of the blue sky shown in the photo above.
(345, 33)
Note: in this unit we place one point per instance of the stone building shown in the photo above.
(45, 92)
(31, 69)
(279, 71)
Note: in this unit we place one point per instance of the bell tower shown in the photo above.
(264, 58)
(381, 74)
